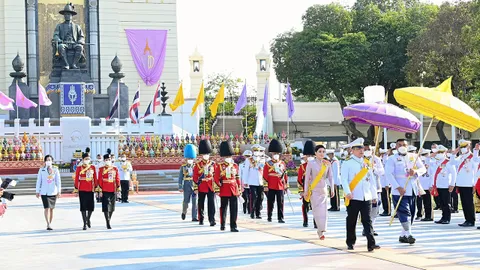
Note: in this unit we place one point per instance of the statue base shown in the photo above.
(73, 96)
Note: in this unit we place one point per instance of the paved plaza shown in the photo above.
(149, 234)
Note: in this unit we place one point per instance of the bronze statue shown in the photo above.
(69, 37)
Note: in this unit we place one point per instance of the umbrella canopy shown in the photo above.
(439, 103)
(382, 114)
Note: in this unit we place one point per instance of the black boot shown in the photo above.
(89, 215)
(107, 219)
(84, 217)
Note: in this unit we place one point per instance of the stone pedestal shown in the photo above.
(76, 135)
(66, 78)
(165, 122)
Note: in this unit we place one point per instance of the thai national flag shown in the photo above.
(115, 104)
(148, 111)
(134, 108)
(156, 98)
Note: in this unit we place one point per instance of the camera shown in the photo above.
(5, 184)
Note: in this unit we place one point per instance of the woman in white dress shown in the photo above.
(49, 186)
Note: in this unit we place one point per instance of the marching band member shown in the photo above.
(203, 173)
(385, 196)
(185, 182)
(246, 189)
(125, 169)
(308, 155)
(275, 174)
(49, 188)
(254, 179)
(357, 178)
(444, 178)
(318, 177)
(378, 171)
(426, 183)
(335, 201)
(466, 165)
(228, 179)
(108, 186)
(399, 169)
(85, 183)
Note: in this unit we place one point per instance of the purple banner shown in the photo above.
(148, 52)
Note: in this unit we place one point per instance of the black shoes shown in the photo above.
(212, 224)
(418, 218)
(183, 216)
(384, 214)
(467, 224)
(269, 219)
(259, 217)
(49, 229)
(371, 249)
(234, 230)
(281, 221)
(305, 224)
(374, 233)
(84, 227)
(200, 223)
(222, 228)
(441, 221)
(407, 240)
(194, 220)
(426, 219)
(350, 247)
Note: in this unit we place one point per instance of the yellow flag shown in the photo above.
(200, 100)
(446, 86)
(179, 100)
(220, 98)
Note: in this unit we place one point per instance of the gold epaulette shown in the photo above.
(75, 191)
(98, 189)
(118, 189)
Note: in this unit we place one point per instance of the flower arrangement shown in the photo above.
(291, 169)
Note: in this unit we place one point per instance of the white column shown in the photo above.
(32, 47)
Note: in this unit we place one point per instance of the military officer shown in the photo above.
(228, 179)
(308, 155)
(357, 180)
(185, 182)
(335, 201)
(203, 173)
(444, 175)
(246, 189)
(424, 205)
(386, 202)
(402, 170)
(275, 175)
(378, 171)
(254, 179)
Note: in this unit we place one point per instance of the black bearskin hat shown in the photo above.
(205, 147)
(275, 147)
(309, 148)
(226, 149)
(86, 153)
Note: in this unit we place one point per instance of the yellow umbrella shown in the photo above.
(439, 103)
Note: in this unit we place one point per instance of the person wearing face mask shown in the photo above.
(466, 165)
(335, 201)
(401, 168)
(357, 179)
(376, 185)
(253, 175)
(424, 204)
(385, 196)
(275, 174)
(228, 179)
(125, 169)
(246, 189)
(318, 178)
(444, 175)
(108, 186)
(49, 187)
(308, 155)
(185, 182)
(203, 176)
(98, 164)
(85, 183)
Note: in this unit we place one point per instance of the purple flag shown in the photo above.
(265, 100)
(22, 101)
(289, 99)
(6, 103)
(148, 52)
(242, 100)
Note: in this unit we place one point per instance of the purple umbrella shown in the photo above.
(382, 114)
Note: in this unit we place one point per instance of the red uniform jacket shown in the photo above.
(229, 184)
(207, 180)
(108, 179)
(301, 176)
(86, 178)
(273, 178)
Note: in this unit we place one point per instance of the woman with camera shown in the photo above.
(49, 187)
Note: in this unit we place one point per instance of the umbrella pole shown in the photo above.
(408, 179)
(377, 140)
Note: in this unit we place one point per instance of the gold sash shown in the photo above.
(360, 175)
(315, 182)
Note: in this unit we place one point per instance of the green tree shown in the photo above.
(331, 18)
(233, 87)
(448, 47)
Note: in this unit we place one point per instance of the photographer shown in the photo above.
(49, 187)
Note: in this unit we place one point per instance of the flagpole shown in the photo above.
(223, 109)
(246, 111)
(204, 119)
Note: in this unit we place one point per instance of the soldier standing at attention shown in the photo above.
(275, 174)
(203, 173)
(185, 182)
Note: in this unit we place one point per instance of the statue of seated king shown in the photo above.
(68, 42)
